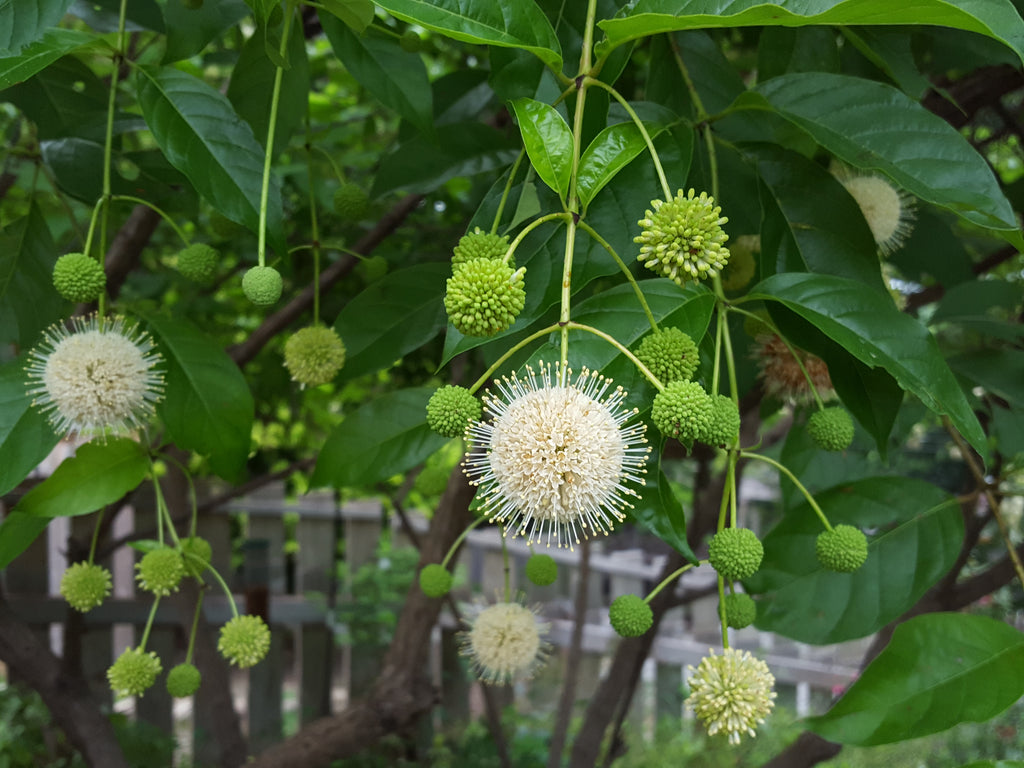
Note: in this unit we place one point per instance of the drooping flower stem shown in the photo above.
(161, 506)
(530, 227)
(195, 625)
(501, 360)
(314, 228)
(625, 271)
(95, 535)
(224, 587)
(622, 348)
(462, 537)
(506, 191)
(138, 200)
(191, 490)
(800, 486)
(721, 612)
(149, 623)
(669, 579)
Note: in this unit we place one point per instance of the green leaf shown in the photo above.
(40, 54)
(937, 671)
(77, 165)
(548, 142)
(874, 126)
(505, 23)
(61, 99)
(17, 532)
(920, 538)
(396, 78)
(207, 405)
(252, 84)
(190, 30)
(995, 18)
(25, 437)
(392, 316)
(973, 300)
(23, 23)
(98, 474)
(995, 764)
(781, 50)
(382, 438)
(261, 9)
(199, 132)
(28, 301)
(871, 329)
(610, 151)
(357, 14)
(660, 512)
(999, 371)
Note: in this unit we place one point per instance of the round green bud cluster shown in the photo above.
(831, 429)
(481, 245)
(85, 585)
(160, 571)
(244, 640)
(682, 411)
(410, 41)
(350, 201)
(435, 580)
(742, 265)
(630, 616)
(314, 355)
(198, 262)
(432, 481)
(484, 297)
(262, 286)
(78, 277)
(542, 570)
(843, 549)
(183, 680)
(724, 422)
(134, 672)
(451, 409)
(196, 553)
(740, 610)
(670, 354)
(683, 239)
(736, 553)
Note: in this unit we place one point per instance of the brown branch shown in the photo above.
(131, 238)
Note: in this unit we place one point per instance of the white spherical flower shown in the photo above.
(553, 457)
(98, 376)
(505, 642)
(889, 211)
(731, 693)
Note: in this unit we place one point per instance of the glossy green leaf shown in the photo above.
(874, 126)
(261, 9)
(396, 78)
(61, 99)
(357, 14)
(203, 137)
(28, 301)
(999, 371)
(874, 331)
(207, 405)
(252, 84)
(393, 316)
(17, 532)
(22, 23)
(77, 164)
(98, 474)
(781, 50)
(610, 151)
(25, 437)
(893, 52)
(548, 142)
(921, 531)
(660, 512)
(506, 23)
(995, 18)
(40, 54)
(386, 436)
(976, 299)
(189, 30)
(938, 670)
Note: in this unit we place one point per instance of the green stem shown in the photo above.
(195, 627)
(507, 190)
(337, 171)
(619, 346)
(95, 535)
(497, 364)
(734, 500)
(718, 357)
(224, 587)
(723, 507)
(462, 537)
(275, 98)
(92, 225)
(313, 220)
(643, 132)
(721, 612)
(800, 486)
(563, 316)
(191, 490)
(161, 508)
(730, 361)
(702, 116)
(669, 579)
(149, 624)
(130, 199)
(508, 570)
(532, 226)
(625, 270)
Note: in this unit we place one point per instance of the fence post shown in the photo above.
(362, 535)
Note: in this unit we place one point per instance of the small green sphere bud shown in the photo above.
(481, 245)
(198, 263)
(630, 616)
(244, 640)
(724, 422)
(484, 297)
(831, 429)
(736, 553)
(740, 610)
(409, 41)
(683, 411)
(350, 202)
(85, 585)
(183, 680)
(195, 553)
(160, 571)
(262, 286)
(542, 570)
(134, 672)
(435, 580)
(314, 355)
(670, 354)
(843, 549)
(683, 239)
(451, 409)
(78, 277)
(742, 265)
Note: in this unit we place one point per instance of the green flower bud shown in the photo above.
(183, 680)
(160, 571)
(724, 422)
(736, 553)
(683, 239)
(683, 411)
(244, 640)
(542, 570)
(843, 549)
(630, 616)
(484, 297)
(350, 202)
(451, 409)
(198, 263)
(195, 553)
(435, 580)
(831, 429)
(262, 286)
(78, 277)
(85, 586)
(670, 354)
(740, 610)
(481, 245)
(134, 672)
(314, 355)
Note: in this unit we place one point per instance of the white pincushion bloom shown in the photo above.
(553, 457)
(731, 693)
(99, 376)
(889, 211)
(505, 642)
